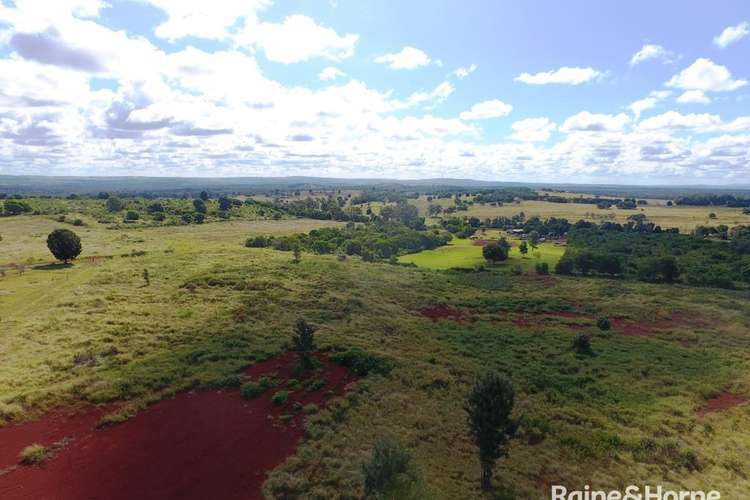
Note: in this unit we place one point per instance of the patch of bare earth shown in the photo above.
(650, 328)
(443, 312)
(483, 243)
(197, 445)
(722, 402)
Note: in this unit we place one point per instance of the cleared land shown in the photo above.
(686, 218)
(462, 253)
(651, 406)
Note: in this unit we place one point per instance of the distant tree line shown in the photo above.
(720, 200)
(372, 241)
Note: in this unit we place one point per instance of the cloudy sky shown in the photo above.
(577, 91)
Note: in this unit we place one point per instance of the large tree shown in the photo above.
(496, 252)
(488, 408)
(64, 244)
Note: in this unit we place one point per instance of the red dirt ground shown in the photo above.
(722, 402)
(197, 445)
(483, 243)
(443, 312)
(649, 328)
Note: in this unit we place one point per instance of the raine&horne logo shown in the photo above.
(632, 493)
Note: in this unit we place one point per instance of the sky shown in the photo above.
(636, 92)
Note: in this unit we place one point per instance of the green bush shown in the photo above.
(603, 323)
(542, 268)
(582, 344)
(33, 454)
(362, 363)
(251, 390)
(390, 472)
(280, 398)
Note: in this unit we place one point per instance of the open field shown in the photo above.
(468, 253)
(682, 217)
(94, 332)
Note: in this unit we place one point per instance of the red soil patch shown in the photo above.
(443, 312)
(540, 319)
(197, 445)
(649, 328)
(483, 243)
(721, 403)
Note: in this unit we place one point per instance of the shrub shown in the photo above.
(78, 222)
(257, 242)
(316, 384)
(542, 268)
(390, 472)
(267, 382)
(33, 454)
(251, 390)
(582, 343)
(9, 411)
(114, 204)
(362, 363)
(132, 216)
(603, 323)
(280, 398)
(303, 343)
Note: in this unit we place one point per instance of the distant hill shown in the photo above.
(63, 185)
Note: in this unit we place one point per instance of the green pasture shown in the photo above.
(463, 253)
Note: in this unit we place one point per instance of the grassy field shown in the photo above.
(466, 253)
(683, 217)
(96, 332)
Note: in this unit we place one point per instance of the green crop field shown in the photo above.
(96, 332)
(466, 253)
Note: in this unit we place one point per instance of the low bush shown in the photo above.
(390, 472)
(362, 363)
(34, 454)
(582, 344)
(603, 323)
(251, 390)
(542, 268)
(280, 398)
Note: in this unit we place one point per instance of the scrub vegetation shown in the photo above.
(614, 380)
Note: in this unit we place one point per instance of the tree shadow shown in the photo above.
(52, 267)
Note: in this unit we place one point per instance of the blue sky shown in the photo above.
(582, 91)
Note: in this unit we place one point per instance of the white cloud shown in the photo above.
(695, 122)
(642, 105)
(296, 39)
(564, 75)
(650, 102)
(731, 35)
(593, 122)
(672, 120)
(705, 75)
(435, 96)
(462, 73)
(330, 73)
(533, 129)
(650, 51)
(693, 97)
(407, 58)
(202, 19)
(487, 109)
